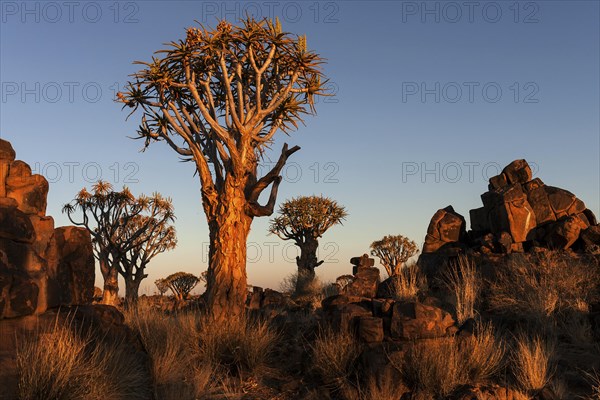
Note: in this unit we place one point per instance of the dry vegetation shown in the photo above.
(439, 367)
(543, 286)
(532, 362)
(463, 282)
(408, 283)
(188, 351)
(65, 364)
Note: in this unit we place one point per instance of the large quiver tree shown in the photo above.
(217, 98)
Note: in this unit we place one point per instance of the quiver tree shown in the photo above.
(181, 284)
(217, 98)
(393, 251)
(141, 239)
(304, 220)
(124, 229)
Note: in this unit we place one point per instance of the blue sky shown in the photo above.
(431, 99)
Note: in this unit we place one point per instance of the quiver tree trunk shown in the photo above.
(229, 225)
(132, 286)
(307, 262)
(110, 293)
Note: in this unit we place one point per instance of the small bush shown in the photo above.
(532, 362)
(463, 281)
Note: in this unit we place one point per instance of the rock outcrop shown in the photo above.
(519, 213)
(40, 267)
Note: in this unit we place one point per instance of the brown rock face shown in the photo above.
(40, 267)
(370, 329)
(419, 321)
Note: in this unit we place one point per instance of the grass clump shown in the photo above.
(67, 364)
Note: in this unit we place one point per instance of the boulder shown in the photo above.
(7, 153)
(480, 219)
(498, 181)
(591, 239)
(564, 233)
(517, 171)
(446, 226)
(415, 320)
(365, 280)
(539, 201)
(560, 200)
(345, 318)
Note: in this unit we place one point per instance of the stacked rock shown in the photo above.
(518, 214)
(40, 266)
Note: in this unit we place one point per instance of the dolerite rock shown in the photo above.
(40, 266)
(446, 227)
(370, 329)
(366, 277)
(415, 320)
(71, 266)
(519, 213)
(30, 191)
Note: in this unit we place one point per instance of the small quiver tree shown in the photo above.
(304, 220)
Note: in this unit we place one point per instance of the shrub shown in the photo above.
(188, 350)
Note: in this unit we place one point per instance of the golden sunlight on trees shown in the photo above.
(393, 251)
(217, 98)
(127, 232)
(304, 220)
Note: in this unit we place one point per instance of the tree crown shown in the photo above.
(225, 92)
(307, 217)
(393, 251)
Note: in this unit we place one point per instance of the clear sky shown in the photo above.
(432, 98)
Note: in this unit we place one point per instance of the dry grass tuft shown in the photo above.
(334, 356)
(63, 364)
(463, 281)
(532, 362)
(408, 283)
(440, 366)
